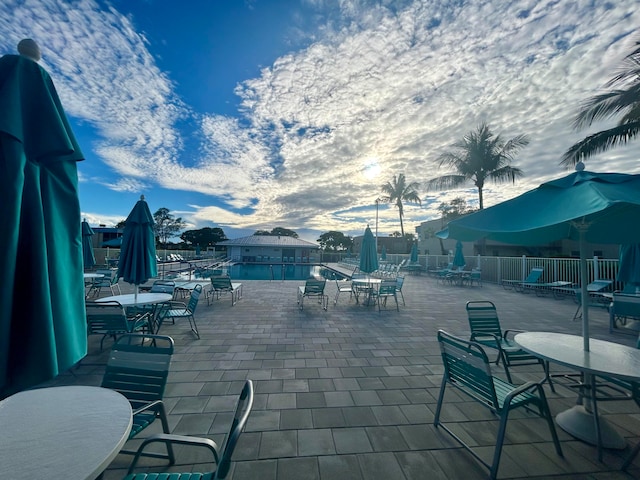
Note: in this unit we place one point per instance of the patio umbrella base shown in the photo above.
(578, 422)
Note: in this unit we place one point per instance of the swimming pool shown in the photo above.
(278, 271)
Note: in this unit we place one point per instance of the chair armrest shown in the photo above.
(477, 335)
(523, 388)
(511, 331)
(155, 406)
(168, 438)
(172, 305)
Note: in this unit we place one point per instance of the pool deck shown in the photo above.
(351, 393)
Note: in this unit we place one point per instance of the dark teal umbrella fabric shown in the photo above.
(88, 257)
(368, 253)
(137, 262)
(458, 258)
(583, 206)
(383, 254)
(629, 264)
(114, 242)
(413, 256)
(42, 314)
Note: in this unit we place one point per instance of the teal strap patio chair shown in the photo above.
(221, 457)
(108, 280)
(519, 285)
(399, 285)
(313, 288)
(222, 284)
(109, 319)
(474, 276)
(343, 286)
(594, 290)
(486, 330)
(467, 368)
(624, 312)
(138, 367)
(179, 310)
(386, 289)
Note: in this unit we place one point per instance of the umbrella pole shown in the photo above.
(135, 295)
(583, 286)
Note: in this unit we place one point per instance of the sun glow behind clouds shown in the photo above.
(371, 169)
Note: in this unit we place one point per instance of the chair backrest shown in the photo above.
(163, 286)
(387, 287)
(483, 318)
(534, 275)
(466, 366)
(399, 282)
(243, 409)
(221, 282)
(106, 317)
(106, 280)
(138, 367)
(626, 305)
(314, 286)
(193, 299)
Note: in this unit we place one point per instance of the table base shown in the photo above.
(578, 422)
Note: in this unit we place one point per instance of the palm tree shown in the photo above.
(479, 157)
(397, 191)
(623, 98)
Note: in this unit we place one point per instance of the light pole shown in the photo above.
(377, 202)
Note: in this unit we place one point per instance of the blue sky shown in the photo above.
(252, 114)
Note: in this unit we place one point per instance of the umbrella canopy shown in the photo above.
(114, 242)
(583, 206)
(629, 264)
(368, 254)
(458, 258)
(88, 257)
(383, 253)
(414, 254)
(42, 314)
(137, 262)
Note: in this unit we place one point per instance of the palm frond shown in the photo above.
(446, 181)
(599, 142)
(606, 105)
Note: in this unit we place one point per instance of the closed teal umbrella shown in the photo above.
(413, 257)
(383, 254)
(88, 258)
(137, 262)
(42, 314)
(629, 264)
(458, 258)
(368, 253)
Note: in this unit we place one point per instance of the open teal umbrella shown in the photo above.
(413, 257)
(137, 262)
(368, 253)
(583, 206)
(88, 257)
(114, 242)
(458, 258)
(383, 253)
(42, 314)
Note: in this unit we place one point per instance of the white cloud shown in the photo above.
(395, 81)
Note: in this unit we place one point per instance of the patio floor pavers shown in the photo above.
(350, 393)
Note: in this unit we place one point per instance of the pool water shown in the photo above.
(250, 271)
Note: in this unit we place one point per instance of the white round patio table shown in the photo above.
(132, 300)
(93, 276)
(62, 432)
(603, 358)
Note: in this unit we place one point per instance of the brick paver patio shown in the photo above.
(350, 393)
